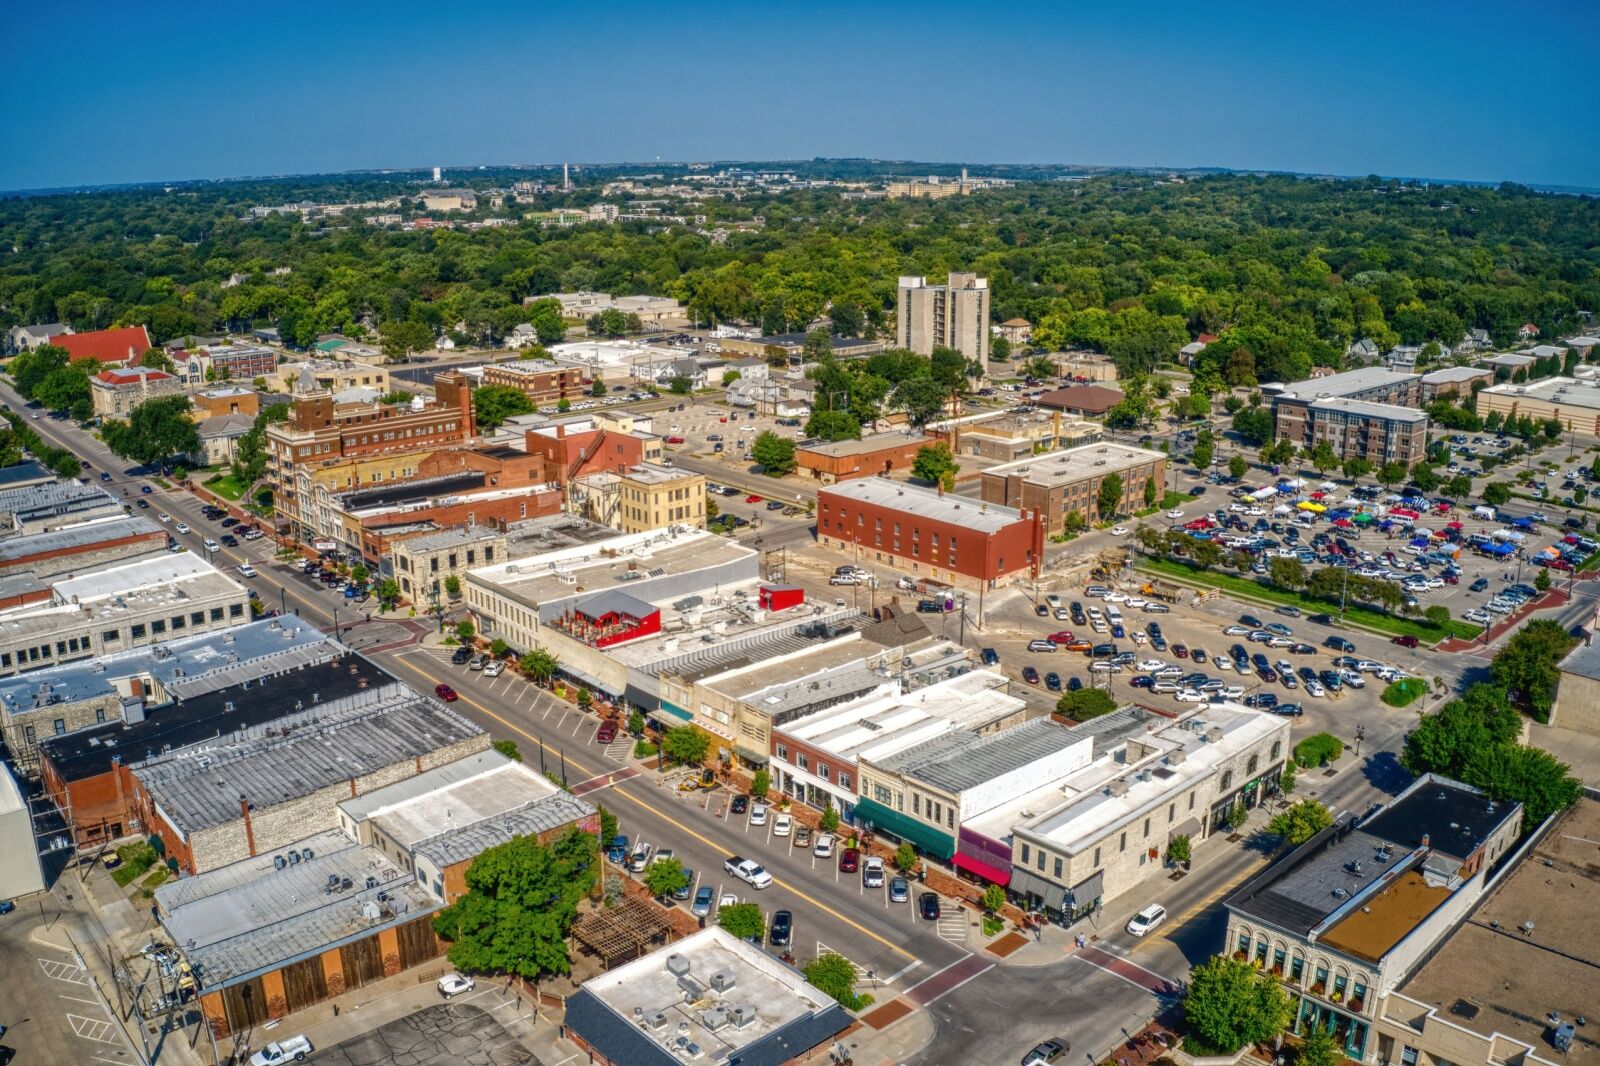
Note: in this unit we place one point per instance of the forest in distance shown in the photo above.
(1287, 271)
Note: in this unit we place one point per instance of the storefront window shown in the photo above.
(1296, 968)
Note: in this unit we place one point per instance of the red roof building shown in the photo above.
(123, 345)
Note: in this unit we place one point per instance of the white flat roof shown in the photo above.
(885, 723)
(1075, 464)
(145, 572)
(602, 565)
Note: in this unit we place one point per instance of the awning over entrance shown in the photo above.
(676, 712)
(1087, 891)
(1189, 827)
(590, 681)
(750, 755)
(932, 842)
(981, 869)
(1028, 883)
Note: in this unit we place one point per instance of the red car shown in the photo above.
(849, 861)
(1405, 641)
(446, 693)
(607, 732)
(1063, 637)
(752, 499)
(674, 440)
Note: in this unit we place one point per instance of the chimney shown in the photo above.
(249, 831)
(1426, 840)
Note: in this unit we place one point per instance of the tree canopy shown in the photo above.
(493, 404)
(155, 431)
(522, 897)
(1228, 1004)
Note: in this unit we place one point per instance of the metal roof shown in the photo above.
(956, 762)
(531, 819)
(78, 535)
(984, 518)
(353, 737)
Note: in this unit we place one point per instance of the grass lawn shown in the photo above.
(1361, 616)
(1173, 499)
(226, 486)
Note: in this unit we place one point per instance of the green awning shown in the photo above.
(932, 842)
(677, 712)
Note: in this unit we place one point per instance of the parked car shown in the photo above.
(294, 1048)
(703, 898)
(461, 656)
(1047, 1052)
(802, 836)
(872, 873)
(782, 929)
(928, 906)
(899, 890)
(453, 984)
(607, 732)
(782, 825)
(642, 853)
(1147, 919)
(849, 860)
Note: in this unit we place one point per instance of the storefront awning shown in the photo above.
(1088, 890)
(1027, 883)
(676, 712)
(981, 869)
(750, 755)
(932, 842)
(590, 681)
(1189, 827)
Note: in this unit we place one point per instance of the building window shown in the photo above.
(844, 781)
(1147, 829)
(110, 636)
(1244, 944)
(1058, 867)
(1408, 1055)
(783, 753)
(1191, 801)
(1025, 853)
(1097, 858)
(916, 808)
(1250, 769)
(1277, 960)
(1296, 967)
(158, 626)
(802, 760)
(61, 726)
(1124, 845)
(216, 614)
(950, 819)
(178, 622)
(235, 610)
(880, 794)
(137, 630)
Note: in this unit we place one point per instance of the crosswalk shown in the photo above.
(619, 751)
(952, 926)
(861, 971)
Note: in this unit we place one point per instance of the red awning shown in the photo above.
(982, 869)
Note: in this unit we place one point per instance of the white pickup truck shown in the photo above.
(748, 871)
(281, 1051)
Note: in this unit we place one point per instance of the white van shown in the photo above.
(1114, 615)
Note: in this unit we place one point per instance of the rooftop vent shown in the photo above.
(744, 1014)
(677, 964)
(722, 980)
(714, 1019)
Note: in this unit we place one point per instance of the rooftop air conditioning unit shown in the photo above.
(744, 1014)
(714, 1019)
(677, 964)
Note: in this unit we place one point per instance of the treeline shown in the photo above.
(1285, 272)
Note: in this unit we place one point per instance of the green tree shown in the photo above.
(994, 898)
(729, 377)
(1038, 367)
(1319, 1047)
(935, 464)
(1228, 1004)
(67, 389)
(774, 453)
(1085, 703)
(597, 388)
(1287, 573)
(760, 784)
(452, 586)
(1392, 473)
(835, 976)
(465, 631)
(1437, 615)
(585, 699)
(829, 821)
(685, 745)
(493, 404)
(665, 876)
(636, 722)
(1527, 666)
(1110, 495)
(509, 749)
(922, 399)
(401, 339)
(1179, 850)
(539, 665)
(250, 451)
(1151, 492)
(1355, 469)
(1300, 822)
(743, 920)
(388, 593)
(905, 857)
(1204, 452)
(1286, 780)
(522, 898)
(1237, 467)
(155, 431)
(1254, 425)
(1541, 580)
(833, 426)
(1323, 458)
(680, 385)
(545, 318)
(1496, 494)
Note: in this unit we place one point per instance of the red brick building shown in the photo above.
(831, 462)
(572, 450)
(539, 381)
(948, 539)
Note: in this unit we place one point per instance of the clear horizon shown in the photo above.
(191, 94)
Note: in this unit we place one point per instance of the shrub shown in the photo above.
(1318, 750)
(1405, 691)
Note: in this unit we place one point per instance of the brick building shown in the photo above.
(225, 400)
(946, 538)
(1369, 413)
(540, 381)
(1068, 482)
(211, 808)
(640, 498)
(81, 547)
(576, 447)
(833, 461)
(1089, 401)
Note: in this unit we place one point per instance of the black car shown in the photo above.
(1198, 490)
(230, 540)
(1478, 585)
(1041, 610)
(1142, 681)
(1267, 674)
(1320, 619)
(461, 656)
(143, 503)
(1074, 684)
(740, 804)
(1250, 620)
(1030, 675)
(1573, 523)
(1288, 710)
(990, 657)
(1267, 700)
(229, 522)
(1052, 681)
(928, 906)
(782, 929)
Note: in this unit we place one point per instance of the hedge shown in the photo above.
(1318, 749)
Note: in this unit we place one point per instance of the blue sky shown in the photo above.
(102, 92)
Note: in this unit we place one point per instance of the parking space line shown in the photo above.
(95, 1029)
(76, 999)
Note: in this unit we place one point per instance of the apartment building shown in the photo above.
(641, 498)
(949, 539)
(1068, 482)
(1453, 382)
(321, 432)
(1346, 917)
(541, 381)
(1370, 413)
(952, 315)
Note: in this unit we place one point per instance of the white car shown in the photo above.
(823, 848)
(1255, 512)
(1147, 919)
(1133, 603)
(1105, 666)
(748, 871)
(758, 814)
(1222, 663)
(1174, 514)
(1231, 692)
(1190, 695)
(1147, 665)
(1053, 600)
(162, 516)
(1119, 531)
(1367, 666)
(453, 984)
(1353, 679)
(1138, 636)
(1116, 597)
(246, 570)
(728, 900)
(1314, 688)
(1478, 615)
(1236, 508)
(295, 1048)
(182, 528)
(210, 545)
(781, 825)
(494, 668)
